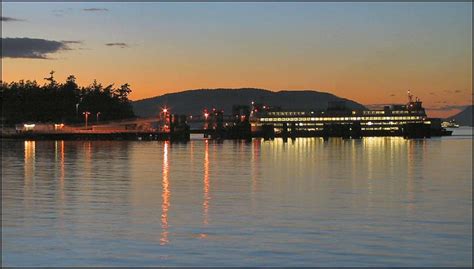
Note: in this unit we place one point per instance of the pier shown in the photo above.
(247, 122)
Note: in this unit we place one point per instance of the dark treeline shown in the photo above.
(27, 101)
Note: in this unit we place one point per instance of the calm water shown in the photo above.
(368, 202)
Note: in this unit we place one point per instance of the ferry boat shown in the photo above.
(408, 120)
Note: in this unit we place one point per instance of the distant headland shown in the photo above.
(191, 102)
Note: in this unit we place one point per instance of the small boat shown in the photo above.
(449, 124)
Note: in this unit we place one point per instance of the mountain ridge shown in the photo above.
(464, 117)
(195, 100)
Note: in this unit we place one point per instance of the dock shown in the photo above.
(247, 122)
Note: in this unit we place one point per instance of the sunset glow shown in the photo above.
(371, 53)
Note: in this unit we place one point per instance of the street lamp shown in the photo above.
(97, 116)
(165, 119)
(206, 123)
(86, 116)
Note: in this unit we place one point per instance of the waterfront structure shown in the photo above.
(258, 120)
(394, 120)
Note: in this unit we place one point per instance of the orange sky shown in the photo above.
(370, 53)
(371, 85)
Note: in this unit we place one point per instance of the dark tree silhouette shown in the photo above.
(27, 101)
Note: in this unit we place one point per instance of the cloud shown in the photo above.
(32, 48)
(9, 19)
(447, 107)
(443, 106)
(117, 44)
(392, 94)
(95, 9)
(71, 42)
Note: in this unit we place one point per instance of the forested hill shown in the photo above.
(464, 117)
(194, 101)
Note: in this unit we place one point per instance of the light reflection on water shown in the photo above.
(207, 197)
(165, 196)
(367, 202)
